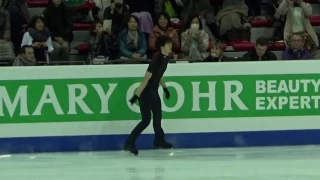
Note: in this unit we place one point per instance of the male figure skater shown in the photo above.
(149, 98)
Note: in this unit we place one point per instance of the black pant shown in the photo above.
(149, 102)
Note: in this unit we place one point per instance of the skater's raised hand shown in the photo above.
(134, 99)
(166, 91)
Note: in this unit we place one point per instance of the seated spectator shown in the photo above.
(195, 41)
(132, 42)
(191, 8)
(117, 12)
(298, 15)
(296, 50)
(254, 9)
(216, 54)
(231, 16)
(146, 22)
(26, 57)
(162, 27)
(58, 19)
(103, 45)
(19, 19)
(82, 10)
(38, 36)
(6, 46)
(260, 53)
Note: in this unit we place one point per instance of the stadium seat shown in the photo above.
(83, 48)
(315, 20)
(261, 22)
(83, 26)
(37, 3)
(277, 46)
(243, 46)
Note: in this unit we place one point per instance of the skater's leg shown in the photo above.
(159, 141)
(157, 117)
(143, 124)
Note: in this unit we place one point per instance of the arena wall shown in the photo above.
(85, 108)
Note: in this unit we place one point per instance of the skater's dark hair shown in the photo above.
(162, 40)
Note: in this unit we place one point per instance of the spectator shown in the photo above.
(117, 12)
(19, 19)
(132, 42)
(260, 53)
(232, 15)
(162, 27)
(195, 41)
(192, 8)
(82, 10)
(141, 6)
(296, 50)
(6, 47)
(26, 57)
(254, 9)
(58, 19)
(103, 45)
(298, 15)
(38, 36)
(216, 54)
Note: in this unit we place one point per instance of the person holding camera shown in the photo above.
(117, 12)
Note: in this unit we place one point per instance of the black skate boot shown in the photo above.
(131, 148)
(162, 145)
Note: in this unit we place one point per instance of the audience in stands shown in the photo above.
(296, 50)
(195, 7)
(58, 19)
(162, 27)
(117, 12)
(298, 20)
(103, 45)
(254, 9)
(25, 57)
(195, 41)
(38, 36)
(132, 42)
(6, 46)
(261, 52)
(19, 19)
(82, 10)
(216, 54)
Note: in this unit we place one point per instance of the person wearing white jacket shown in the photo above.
(38, 36)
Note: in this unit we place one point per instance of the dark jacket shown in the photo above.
(117, 19)
(253, 56)
(304, 54)
(123, 48)
(109, 42)
(59, 21)
(4, 24)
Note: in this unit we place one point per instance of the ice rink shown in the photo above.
(260, 163)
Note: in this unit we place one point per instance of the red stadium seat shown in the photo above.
(244, 46)
(315, 20)
(261, 22)
(83, 26)
(277, 46)
(37, 3)
(83, 48)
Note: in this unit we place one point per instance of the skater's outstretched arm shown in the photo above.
(144, 83)
(162, 83)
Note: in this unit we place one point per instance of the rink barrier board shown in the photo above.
(35, 105)
(180, 140)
